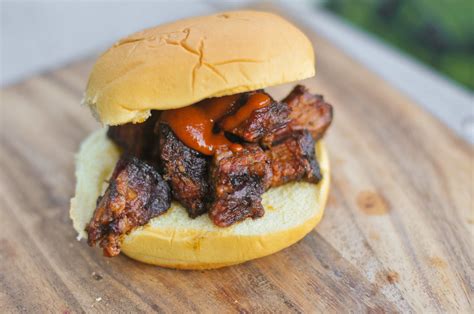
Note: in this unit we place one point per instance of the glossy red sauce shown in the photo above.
(255, 101)
(194, 125)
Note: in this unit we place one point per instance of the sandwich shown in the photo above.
(197, 166)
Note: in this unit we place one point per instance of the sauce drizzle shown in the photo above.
(195, 125)
(255, 102)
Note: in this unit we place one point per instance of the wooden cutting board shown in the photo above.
(397, 234)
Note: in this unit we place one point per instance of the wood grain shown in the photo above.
(396, 237)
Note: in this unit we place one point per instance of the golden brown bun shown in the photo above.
(174, 240)
(177, 64)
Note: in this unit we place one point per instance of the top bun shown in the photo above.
(177, 64)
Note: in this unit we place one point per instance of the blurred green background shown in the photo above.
(439, 33)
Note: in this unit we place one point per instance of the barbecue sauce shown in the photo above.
(255, 102)
(195, 125)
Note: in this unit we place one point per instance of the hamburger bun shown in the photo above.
(177, 64)
(174, 240)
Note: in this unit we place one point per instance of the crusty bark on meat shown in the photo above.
(186, 170)
(137, 139)
(238, 180)
(262, 121)
(307, 112)
(294, 160)
(136, 193)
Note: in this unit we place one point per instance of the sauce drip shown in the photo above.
(195, 125)
(255, 101)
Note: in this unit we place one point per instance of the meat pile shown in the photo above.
(277, 147)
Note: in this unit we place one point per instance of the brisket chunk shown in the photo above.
(294, 160)
(307, 112)
(186, 170)
(137, 139)
(136, 194)
(238, 180)
(261, 121)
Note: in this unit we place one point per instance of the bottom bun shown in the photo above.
(174, 240)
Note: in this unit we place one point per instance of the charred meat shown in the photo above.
(137, 139)
(258, 115)
(136, 193)
(238, 180)
(294, 160)
(186, 170)
(307, 112)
